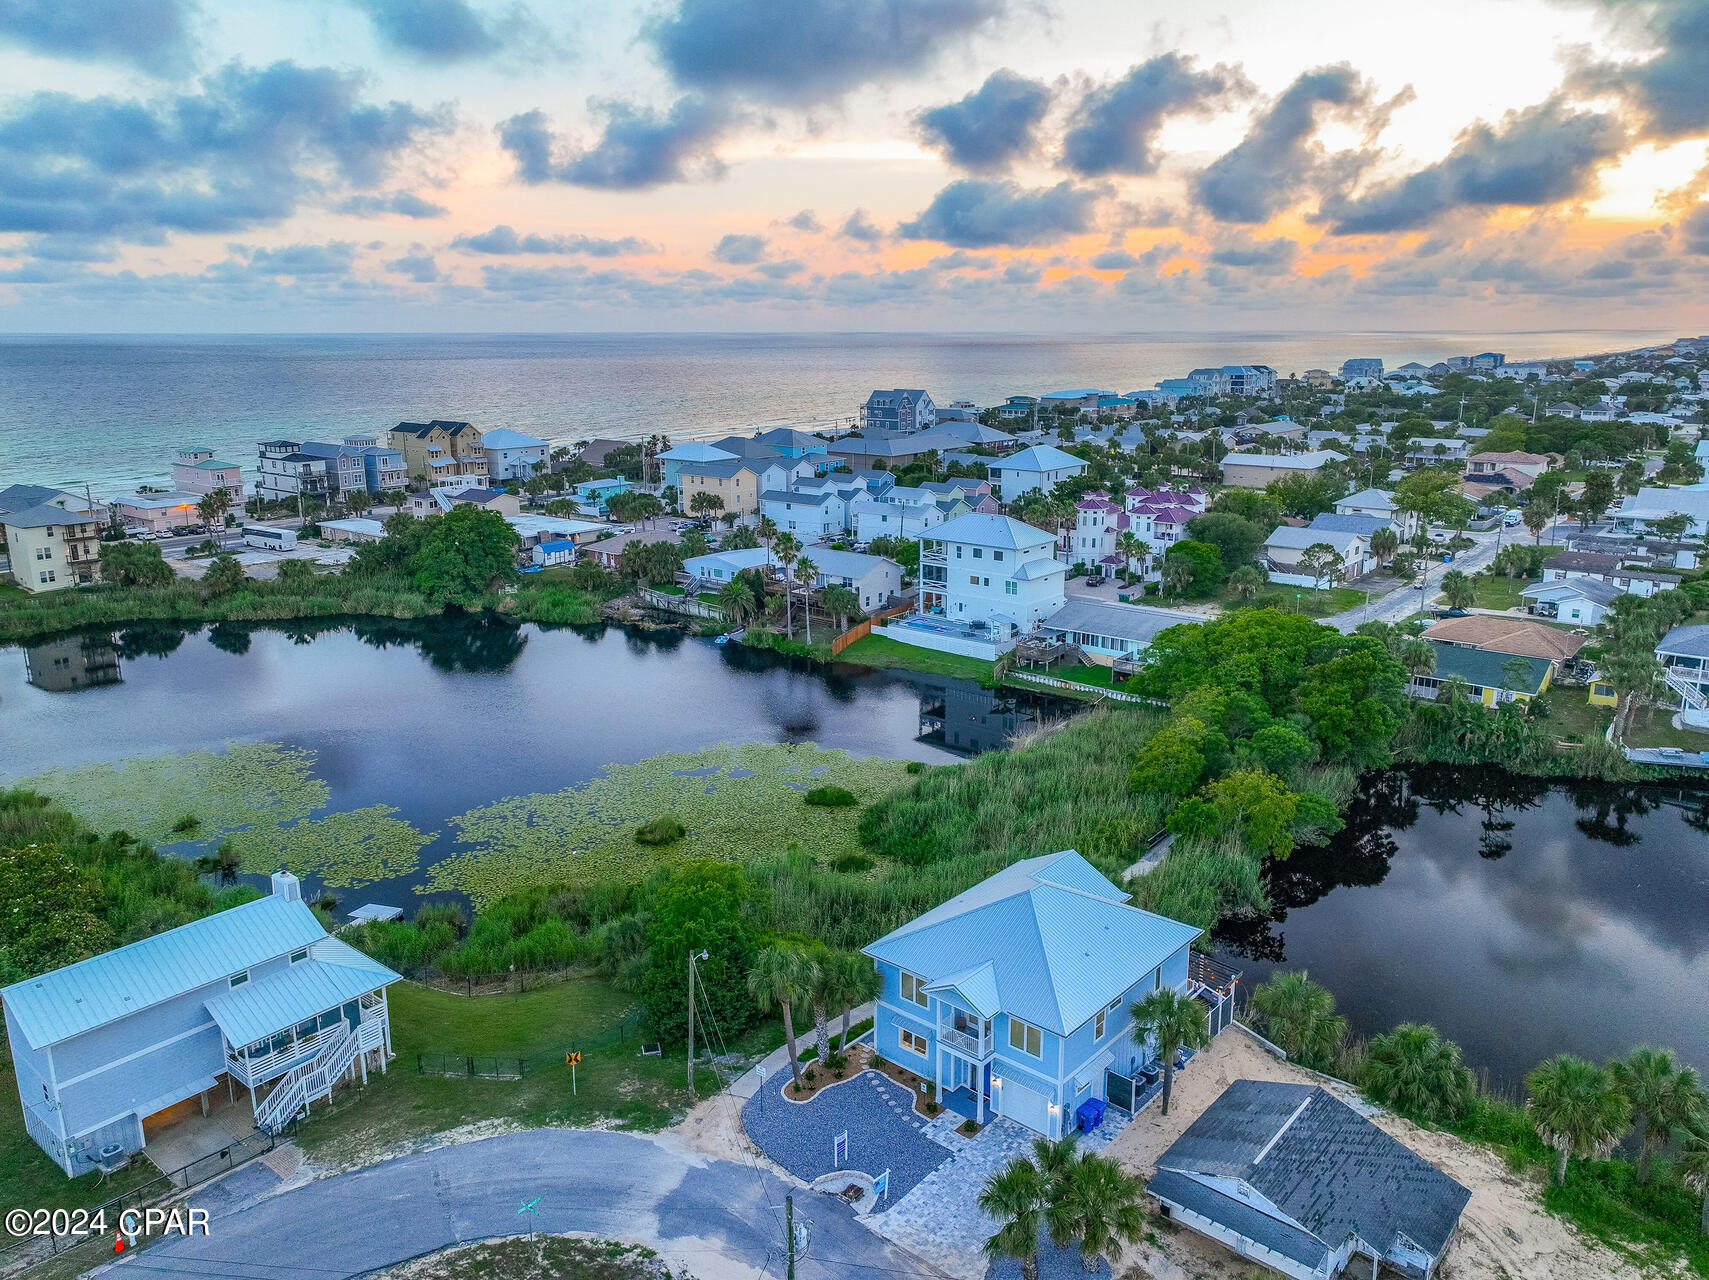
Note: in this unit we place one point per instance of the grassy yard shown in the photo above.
(29, 1180)
(1313, 604)
(616, 1086)
(1098, 677)
(1571, 715)
(1659, 732)
(1498, 591)
(881, 651)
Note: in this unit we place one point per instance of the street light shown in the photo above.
(692, 957)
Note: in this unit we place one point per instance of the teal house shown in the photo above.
(595, 495)
(1013, 997)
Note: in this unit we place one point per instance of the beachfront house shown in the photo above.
(902, 409)
(797, 444)
(1012, 998)
(199, 471)
(440, 451)
(1293, 1178)
(1034, 469)
(52, 548)
(255, 1000)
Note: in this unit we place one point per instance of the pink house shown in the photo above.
(198, 471)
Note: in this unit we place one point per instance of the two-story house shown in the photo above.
(1380, 503)
(1014, 995)
(198, 471)
(992, 572)
(512, 455)
(1037, 469)
(52, 548)
(257, 998)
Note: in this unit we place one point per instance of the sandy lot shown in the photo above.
(1504, 1233)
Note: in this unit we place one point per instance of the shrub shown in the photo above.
(666, 829)
(916, 766)
(189, 822)
(831, 797)
(852, 862)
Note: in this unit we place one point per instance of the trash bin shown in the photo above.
(1091, 1114)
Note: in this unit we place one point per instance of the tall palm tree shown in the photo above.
(1172, 1021)
(841, 603)
(1664, 1097)
(1095, 1204)
(767, 531)
(1577, 1109)
(806, 573)
(1457, 589)
(1693, 1165)
(734, 600)
(1384, 543)
(784, 976)
(852, 980)
(1016, 1198)
(1300, 1016)
(1415, 1071)
(787, 550)
(1417, 655)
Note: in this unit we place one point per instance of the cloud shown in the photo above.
(805, 52)
(1694, 230)
(1669, 91)
(1114, 128)
(977, 214)
(1114, 260)
(1271, 257)
(246, 148)
(1278, 161)
(639, 147)
(442, 32)
(150, 35)
(333, 259)
(781, 270)
(418, 267)
(961, 260)
(504, 239)
(859, 227)
(991, 127)
(739, 251)
(1542, 155)
(806, 220)
(407, 203)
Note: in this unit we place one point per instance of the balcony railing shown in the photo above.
(259, 1068)
(963, 1034)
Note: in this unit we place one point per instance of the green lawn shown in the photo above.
(1498, 592)
(617, 1087)
(1571, 715)
(881, 651)
(1659, 732)
(1313, 604)
(1099, 677)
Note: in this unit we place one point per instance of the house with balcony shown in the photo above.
(52, 548)
(440, 451)
(257, 1000)
(1012, 998)
(198, 471)
(286, 473)
(1684, 655)
(513, 455)
(901, 409)
(984, 582)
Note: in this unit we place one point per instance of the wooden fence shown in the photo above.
(693, 606)
(861, 630)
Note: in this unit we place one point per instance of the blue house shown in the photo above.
(1013, 997)
(597, 494)
(259, 998)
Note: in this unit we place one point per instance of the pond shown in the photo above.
(437, 719)
(1521, 917)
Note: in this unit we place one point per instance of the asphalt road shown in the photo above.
(713, 1218)
(1406, 601)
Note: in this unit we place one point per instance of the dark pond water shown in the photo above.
(436, 718)
(1522, 918)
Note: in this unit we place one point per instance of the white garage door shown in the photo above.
(1026, 1106)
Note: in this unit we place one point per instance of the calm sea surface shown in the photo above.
(110, 412)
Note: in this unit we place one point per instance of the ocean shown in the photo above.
(109, 413)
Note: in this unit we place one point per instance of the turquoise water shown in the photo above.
(109, 412)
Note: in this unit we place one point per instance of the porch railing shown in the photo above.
(980, 1046)
(261, 1068)
(303, 1084)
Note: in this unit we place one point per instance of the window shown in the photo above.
(1157, 978)
(1098, 1026)
(973, 581)
(1010, 588)
(996, 555)
(1114, 1004)
(914, 990)
(1026, 1037)
(238, 979)
(297, 956)
(978, 552)
(958, 551)
(912, 1041)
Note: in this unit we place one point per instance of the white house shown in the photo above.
(984, 581)
(511, 455)
(1039, 467)
(873, 579)
(1286, 547)
(1257, 470)
(1379, 502)
(1107, 631)
(1585, 601)
(809, 515)
(255, 999)
(894, 517)
(1638, 512)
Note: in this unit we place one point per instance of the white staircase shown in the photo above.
(305, 1082)
(1691, 696)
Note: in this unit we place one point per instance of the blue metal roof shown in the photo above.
(983, 530)
(117, 983)
(1060, 940)
(1040, 457)
(334, 973)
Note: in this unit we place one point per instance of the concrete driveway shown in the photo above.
(716, 1219)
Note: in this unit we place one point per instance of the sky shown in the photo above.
(778, 165)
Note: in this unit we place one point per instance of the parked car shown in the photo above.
(1097, 581)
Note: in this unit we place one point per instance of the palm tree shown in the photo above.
(1177, 573)
(853, 981)
(840, 602)
(1172, 1021)
(1664, 1097)
(784, 976)
(1457, 589)
(1094, 1202)
(1415, 1071)
(1384, 543)
(1300, 1016)
(1417, 655)
(1246, 582)
(1132, 547)
(787, 549)
(767, 531)
(1693, 1166)
(806, 573)
(734, 600)
(1577, 1109)
(1016, 1197)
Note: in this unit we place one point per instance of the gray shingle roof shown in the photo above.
(1692, 642)
(1327, 1167)
(1364, 526)
(1121, 621)
(1243, 1219)
(47, 517)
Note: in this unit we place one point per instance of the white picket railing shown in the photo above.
(1690, 695)
(303, 1084)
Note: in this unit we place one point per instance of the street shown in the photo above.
(1401, 604)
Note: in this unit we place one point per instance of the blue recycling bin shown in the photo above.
(1091, 1114)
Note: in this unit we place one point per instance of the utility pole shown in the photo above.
(789, 1232)
(692, 957)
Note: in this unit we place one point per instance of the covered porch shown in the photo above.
(967, 1003)
(198, 1127)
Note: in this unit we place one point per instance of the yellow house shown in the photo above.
(735, 482)
(437, 451)
(52, 548)
(1602, 694)
(1491, 677)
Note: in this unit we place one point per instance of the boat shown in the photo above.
(731, 635)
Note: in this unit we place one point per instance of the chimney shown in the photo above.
(286, 886)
